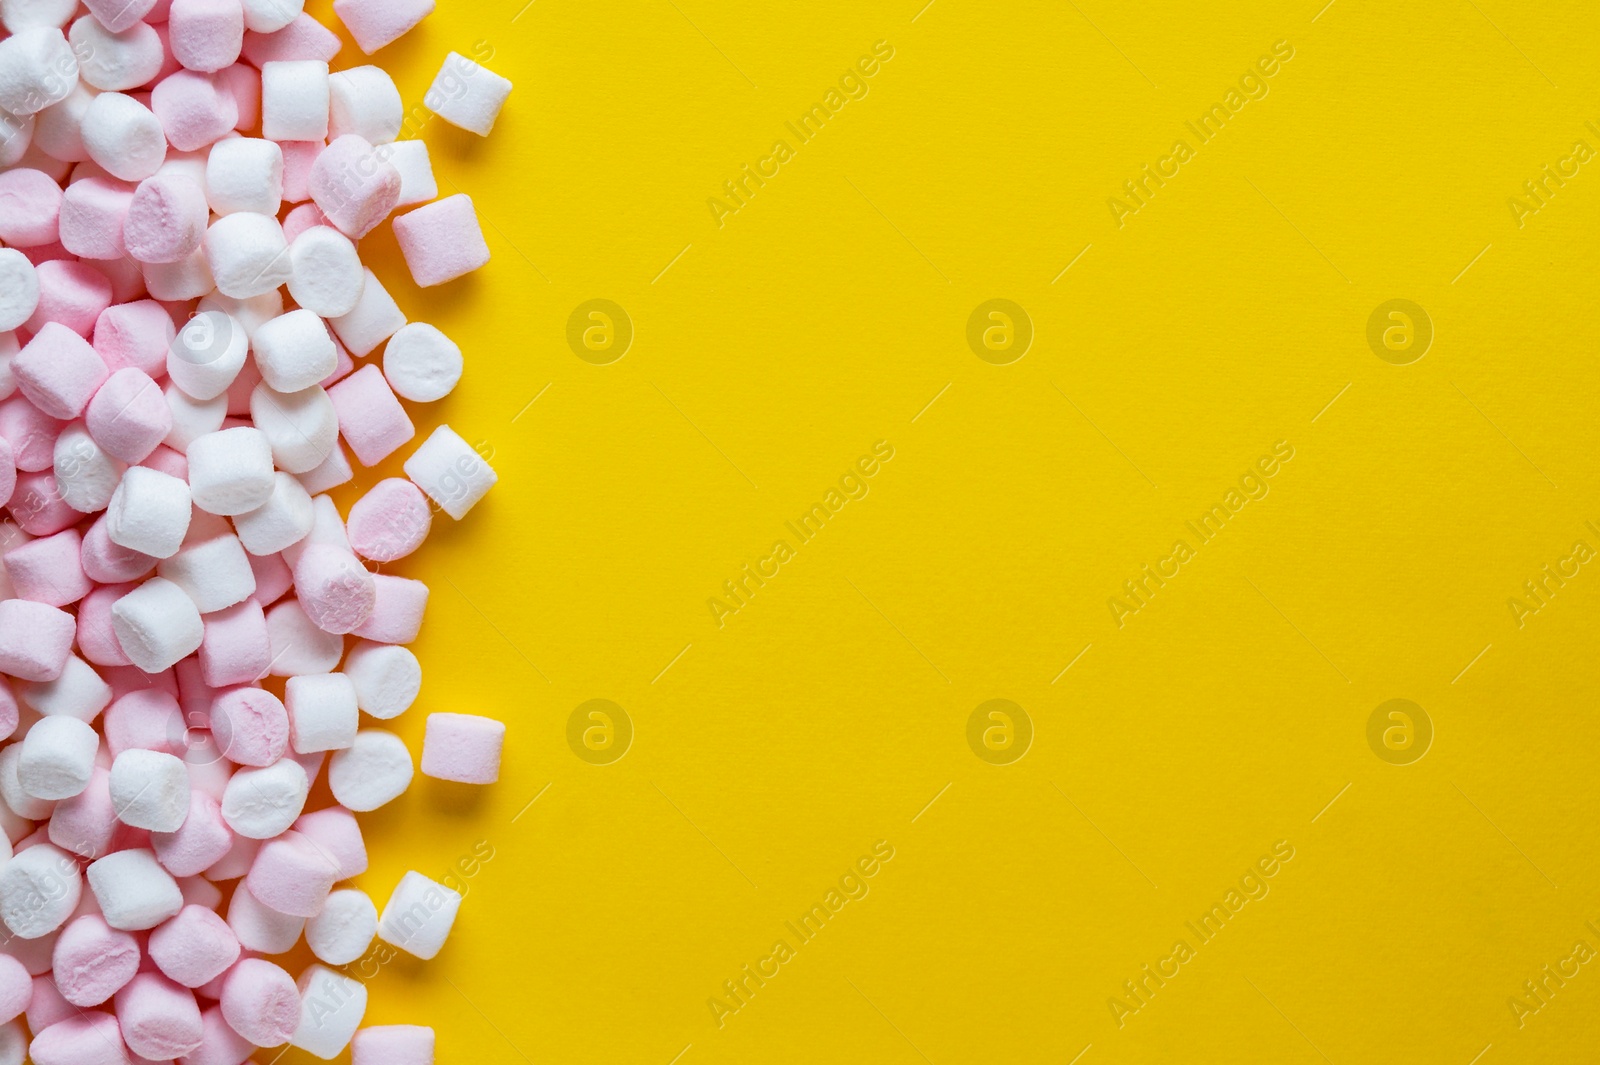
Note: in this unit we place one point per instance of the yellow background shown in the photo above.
(770, 353)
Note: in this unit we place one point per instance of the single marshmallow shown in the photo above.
(463, 748)
(116, 61)
(230, 471)
(30, 208)
(243, 83)
(94, 212)
(442, 241)
(302, 427)
(57, 758)
(323, 714)
(331, 1008)
(192, 418)
(16, 138)
(343, 931)
(364, 101)
(16, 989)
(157, 624)
(206, 35)
(19, 289)
(58, 371)
(262, 803)
(166, 219)
(93, 961)
(160, 1020)
(149, 512)
(118, 15)
(37, 68)
(387, 678)
(86, 477)
(209, 351)
(78, 692)
(292, 875)
(303, 38)
(17, 801)
(330, 473)
(71, 293)
(133, 891)
(19, 15)
(371, 419)
(219, 1043)
(299, 647)
(261, 1002)
(35, 640)
(245, 174)
(294, 351)
(393, 1044)
(375, 23)
(49, 569)
(421, 363)
(390, 521)
(270, 16)
(109, 563)
(417, 183)
(450, 472)
(195, 109)
(281, 521)
(295, 99)
(215, 573)
(258, 926)
(235, 648)
(354, 185)
(248, 254)
(337, 592)
(252, 726)
(195, 947)
(86, 823)
(328, 276)
(418, 916)
(150, 790)
(39, 889)
(373, 771)
(338, 833)
(199, 843)
(96, 640)
(124, 136)
(79, 1039)
(147, 718)
(467, 95)
(128, 415)
(189, 278)
(273, 579)
(376, 318)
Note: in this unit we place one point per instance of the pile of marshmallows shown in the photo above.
(169, 426)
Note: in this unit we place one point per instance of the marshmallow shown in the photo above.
(86, 476)
(467, 95)
(157, 624)
(338, 833)
(57, 758)
(219, 1043)
(330, 473)
(19, 289)
(71, 293)
(442, 241)
(418, 916)
(116, 61)
(78, 692)
(421, 363)
(235, 648)
(450, 472)
(328, 276)
(292, 875)
(259, 927)
(270, 16)
(37, 69)
(354, 185)
(150, 790)
(128, 415)
(160, 1020)
(322, 712)
(17, 801)
(410, 159)
(19, 15)
(390, 521)
(393, 1044)
(166, 219)
(251, 725)
(262, 803)
(281, 521)
(331, 1008)
(213, 572)
(39, 889)
(206, 35)
(343, 931)
(49, 570)
(387, 678)
(58, 371)
(93, 961)
(302, 427)
(30, 208)
(373, 771)
(83, 1039)
(192, 418)
(364, 101)
(35, 640)
(371, 419)
(376, 318)
(187, 279)
(248, 254)
(195, 109)
(86, 823)
(133, 891)
(463, 748)
(299, 647)
(148, 718)
(94, 212)
(208, 352)
(303, 38)
(196, 845)
(124, 136)
(245, 174)
(375, 23)
(96, 640)
(261, 1002)
(335, 590)
(149, 513)
(195, 947)
(294, 351)
(295, 97)
(230, 471)
(118, 15)
(58, 129)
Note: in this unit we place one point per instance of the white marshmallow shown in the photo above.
(187, 279)
(280, 522)
(328, 276)
(260, 927)
(13, 1043)
(252, 312)
(410, 158)
(230, 471)
(245, 174)
(86, 476)
(331, 1008)
(269, 16)
(372, 771)
(421, 364)
(116, 62)
(192, 418)
(294, 100)
(302, 427)
(149, 513)
(19, 289)
(374, 319)
(208, 353)
(79, 692)
(343, 931)
(298, 647)
(37, 69)
(248, 254)
(124, 136)
(214, 573)
(58, 129)
(364, 101)
(294, 351)
(150, 789)
(57, 757)
(39, 889)
(387, 678)
(451, 474)
(262, 803)
(467, 95)
(323, 713)
(17, 801)
(133, 891)
(331, 473)
(19, 15)
(16, 136)
(157, 625)
(418, 916)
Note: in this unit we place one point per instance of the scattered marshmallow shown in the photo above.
(467, 95)
(418, 916)
(463, 748)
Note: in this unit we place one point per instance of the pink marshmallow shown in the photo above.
(93, 961)
(86, 1039)
(273, 578)
(206, 35)
(235, 649)
(166, 219)
(58, 371)
(298, 156)
(292, 875)
(119, 15)
(304, 38)
(49, 570)
(244, 84)
(442, 241)
(375, 23)
(38, 507)
(396, 610)
(260, 1001)
(194, 694)
(71, 293)
(30, 432)
(371, 419)
(149, 720)
(137, 334)
(342, 368)
(463, 748)
(232, 866)
(97, 641)
(35, 639)
(8, 472)
(159, 1020)
(128, 417)
(336, 593)
(355, 185)
(170, 462)
(195, 947)
(92, 215)
(337, 834)
(46, 1007)
(201, 842)
(251, 726)
(86, 824)
(195, 109)
(304, 217)
(392, 1044)
(219, 1044)
(110, 563)
(390, 521)
(30, 208)
(8, 710)
(16, 988)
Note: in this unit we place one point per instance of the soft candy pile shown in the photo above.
(169, 425)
